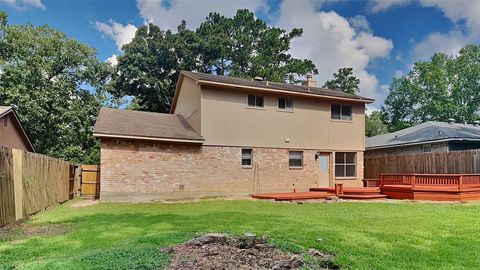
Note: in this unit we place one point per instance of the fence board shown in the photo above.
(29, 183)
(7, 200)
(456, 162)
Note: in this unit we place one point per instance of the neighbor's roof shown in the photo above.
(4, 110)
(427, 132)
(219, 80)
(116, 123)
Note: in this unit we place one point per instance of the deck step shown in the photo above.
(351, 191)
(363, 197)
(293, 196)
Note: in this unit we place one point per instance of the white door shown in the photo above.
(324, 163)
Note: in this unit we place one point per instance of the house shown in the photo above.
(427, 137)
(230, 136)
(12, 134)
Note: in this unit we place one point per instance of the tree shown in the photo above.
(51, 79)
(374, 125)
(343, 80)
(436, 90)
(242, 46)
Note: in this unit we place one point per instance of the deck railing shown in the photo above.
(441, 180)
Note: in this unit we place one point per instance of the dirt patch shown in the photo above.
(220, 251)
(25, 230)
(84, 203)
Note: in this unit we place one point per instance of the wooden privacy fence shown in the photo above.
(455, 162)
(31, 182)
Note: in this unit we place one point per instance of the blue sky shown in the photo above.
(380, 39)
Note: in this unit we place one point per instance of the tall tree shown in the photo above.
(242, 46)
(51, 79)
(442, 88)
(343, 80)
(374, 125)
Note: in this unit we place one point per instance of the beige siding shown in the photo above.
(188, 104)
(10, 135)
(226, 120)
(413, 149)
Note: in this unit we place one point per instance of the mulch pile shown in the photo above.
(220, 251)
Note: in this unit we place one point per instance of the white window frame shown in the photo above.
(345, 164)
(243, 158)
(290, 158)
(350, 117)
(256, 106)
(285, 109)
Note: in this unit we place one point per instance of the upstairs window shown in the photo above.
(285, 104)
(345, 165)
(255, 101)
(341, 112)
(247, 157)
(295, 159)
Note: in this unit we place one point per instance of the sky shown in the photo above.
(379, 39)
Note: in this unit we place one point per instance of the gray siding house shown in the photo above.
(427, 137)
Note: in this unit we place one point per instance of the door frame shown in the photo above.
(328, 153)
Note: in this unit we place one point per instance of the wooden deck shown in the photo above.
(433, 187)
(323, 193)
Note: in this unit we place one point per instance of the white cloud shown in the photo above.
(449, 43)
(360, 24)
(112, 60)
(398, 74)
(382, 5)
(458, 10)
(369, 109)
(169, 14)
(121, 34)
(23, 4)
(331, 43)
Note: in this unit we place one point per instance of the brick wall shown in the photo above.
(142, 171)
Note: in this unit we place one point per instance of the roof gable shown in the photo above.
(4, 110)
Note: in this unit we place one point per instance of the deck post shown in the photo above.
(414, 179)
(460, 183)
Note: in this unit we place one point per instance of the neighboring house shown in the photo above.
(12, 133)
(427, 137)
(230, 136)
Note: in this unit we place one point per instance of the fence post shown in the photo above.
(414, 179)
(17, 156)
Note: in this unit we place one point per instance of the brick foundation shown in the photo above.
(142, 171)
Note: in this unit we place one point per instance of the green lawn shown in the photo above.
(362, 235)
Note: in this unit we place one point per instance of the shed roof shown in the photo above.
(427, 132)
(144, 125)
(4, 110)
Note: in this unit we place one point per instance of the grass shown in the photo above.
(361, 235)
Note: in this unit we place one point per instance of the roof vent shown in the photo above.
(258, 79)
(476, 123)
(451, 120)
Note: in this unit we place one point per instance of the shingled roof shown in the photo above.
(294, 88)
(427, 132)
(116, 123)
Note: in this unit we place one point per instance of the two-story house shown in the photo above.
(12, 134)
(230, 136)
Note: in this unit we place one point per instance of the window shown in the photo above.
(295, 159)
(427, 148)
(247, 157)
(285, 104)
(255, 101)
(341, 112)
(5, 121)
(345, 164)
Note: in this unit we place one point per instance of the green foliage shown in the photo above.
(374, 125)
(51, 78)
(360, 235)
(343, 80)
(442, 88)
(242, 46)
